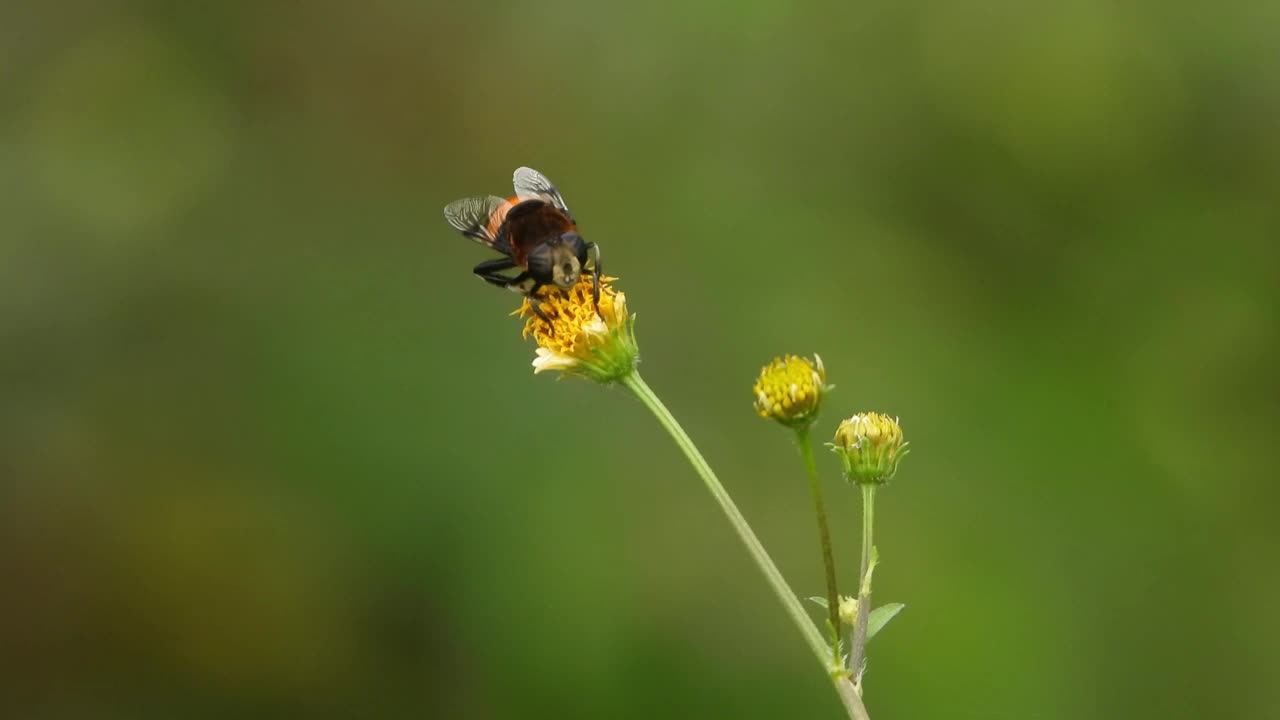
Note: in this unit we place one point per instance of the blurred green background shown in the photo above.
(267, 449)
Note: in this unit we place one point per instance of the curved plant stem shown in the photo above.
(848, 695)
(824, 536)
(859, 644)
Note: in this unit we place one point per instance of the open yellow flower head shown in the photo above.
(578, 341)
(790, 390)
(871, 446)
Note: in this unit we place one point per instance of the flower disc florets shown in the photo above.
(871, 446)
(578, 341)
(790, 390)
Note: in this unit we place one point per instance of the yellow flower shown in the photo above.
(790, 390)
(871, 446)
(578, 340)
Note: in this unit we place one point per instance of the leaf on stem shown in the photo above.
(881, 617)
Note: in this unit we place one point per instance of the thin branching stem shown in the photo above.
(859, 644)
(844, 688)
(824, 537)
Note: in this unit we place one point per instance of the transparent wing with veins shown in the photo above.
(530, 183)
(471, 216)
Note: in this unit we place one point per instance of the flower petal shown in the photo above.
(548, 360)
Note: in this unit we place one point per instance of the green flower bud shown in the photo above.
(871, 446)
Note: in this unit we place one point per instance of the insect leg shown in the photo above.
(491, 271)
(536, 304)
(531, 294)
(594, 251)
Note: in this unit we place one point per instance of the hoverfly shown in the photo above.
(534, 232)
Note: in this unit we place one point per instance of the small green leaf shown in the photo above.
(881, 617)
(819, 600)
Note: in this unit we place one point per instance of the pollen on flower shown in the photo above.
(577, 339)
(790, 389)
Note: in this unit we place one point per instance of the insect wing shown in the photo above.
(470, 216)
(530, 183)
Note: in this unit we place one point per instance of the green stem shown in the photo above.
(844, 688)
(859, 643)
(824, 536)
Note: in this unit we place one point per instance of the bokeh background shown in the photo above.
(267, 449)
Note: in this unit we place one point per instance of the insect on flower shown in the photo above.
(534, 232)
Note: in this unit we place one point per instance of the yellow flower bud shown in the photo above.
(871, 446)
(790, 390)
